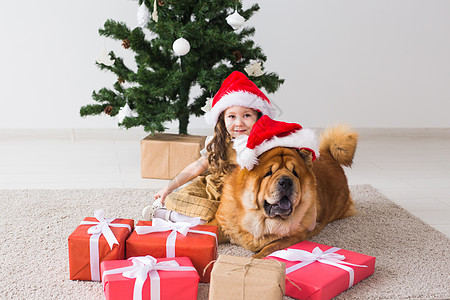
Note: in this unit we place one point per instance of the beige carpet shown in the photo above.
(412, 258)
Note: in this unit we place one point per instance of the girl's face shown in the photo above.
(239, 120)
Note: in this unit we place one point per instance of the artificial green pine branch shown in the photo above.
(115, 30)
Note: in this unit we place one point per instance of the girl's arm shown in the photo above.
(187, 174)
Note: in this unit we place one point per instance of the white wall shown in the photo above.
(378, 63)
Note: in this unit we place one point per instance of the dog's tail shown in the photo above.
(340, 142)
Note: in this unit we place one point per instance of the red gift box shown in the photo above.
(84, 245)
(199, 243)
(320, 271)
(150, 278)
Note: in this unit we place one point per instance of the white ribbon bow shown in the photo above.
(143, 267)
(160, 225)
(326, 257)
(101, 227)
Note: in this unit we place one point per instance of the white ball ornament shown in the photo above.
(181, 47)
(235, 20)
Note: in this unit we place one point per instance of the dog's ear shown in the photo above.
(307, 156)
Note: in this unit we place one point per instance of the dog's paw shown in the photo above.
(259, 255)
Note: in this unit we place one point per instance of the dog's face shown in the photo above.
(279, 196)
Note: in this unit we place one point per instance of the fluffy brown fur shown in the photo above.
(287, 198)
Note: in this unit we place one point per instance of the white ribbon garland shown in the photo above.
(160, 225)
(101, 227)
(143, 267)
(326, 257)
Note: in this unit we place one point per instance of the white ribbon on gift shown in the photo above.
(101, 227)
(143, 267)
(326, 257)
(160, 225)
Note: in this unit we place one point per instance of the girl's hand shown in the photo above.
(162, 194)
(190, 172)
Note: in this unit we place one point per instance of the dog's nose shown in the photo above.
(285, 182)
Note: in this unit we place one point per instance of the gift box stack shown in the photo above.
(308, 271)
(154, 260)
(166, 260)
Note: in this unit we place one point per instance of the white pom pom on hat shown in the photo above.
(238, 90)
(266, 134)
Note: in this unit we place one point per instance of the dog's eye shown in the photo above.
(268, 173)
(295, 174)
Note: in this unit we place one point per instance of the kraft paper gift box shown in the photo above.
(167, 239)
(96, 239)
(152, 278)
(246, 278)
(320, 271)
(165, 155)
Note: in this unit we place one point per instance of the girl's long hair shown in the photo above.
(217, 148)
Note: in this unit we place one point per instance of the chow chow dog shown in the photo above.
(287, 197)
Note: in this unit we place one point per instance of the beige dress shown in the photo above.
(201, 197)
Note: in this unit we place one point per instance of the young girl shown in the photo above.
(235, 108)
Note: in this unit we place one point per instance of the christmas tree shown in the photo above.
(206, 51)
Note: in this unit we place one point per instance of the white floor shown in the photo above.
(411, 167)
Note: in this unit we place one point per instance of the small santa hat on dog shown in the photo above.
(238, 90)
(266, 134)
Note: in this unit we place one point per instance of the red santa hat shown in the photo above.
(238, 90)
(266, 134)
